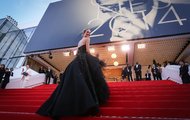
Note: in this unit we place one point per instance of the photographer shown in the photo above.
(6, 78)
(25, 76)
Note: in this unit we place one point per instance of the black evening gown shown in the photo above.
(81, 90)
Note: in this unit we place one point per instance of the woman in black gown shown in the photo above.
(84, 87)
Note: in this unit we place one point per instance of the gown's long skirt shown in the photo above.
(81, 90)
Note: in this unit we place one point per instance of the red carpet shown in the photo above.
(144, 100)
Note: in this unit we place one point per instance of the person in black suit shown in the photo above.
(123, 74)
(138, 72)
(6, 78)
(154, 71)
(41, 70)
(2, 72)
(148, 75)
(49, 75)
(129, 72)
(183, 72)
(55, 77)
(159, 73)
(11, 70)
(61, 76)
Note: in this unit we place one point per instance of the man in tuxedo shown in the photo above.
(159, 74)
(183, 72)
(41, 70)
(123, 73)
(6, 78)
(55, 77)
(129, 72)
(2, 72)
(138, 73)
(49, 75)
(155, 71)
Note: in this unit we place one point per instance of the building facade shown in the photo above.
(13, 42)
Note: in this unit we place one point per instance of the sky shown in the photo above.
(27, 13)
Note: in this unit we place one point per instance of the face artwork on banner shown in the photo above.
(133, 19)
(109, 21)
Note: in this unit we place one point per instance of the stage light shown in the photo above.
(141, 46)
(66, 54)
(75, 52)
(115, 63)
(50, 55)
(125, 47)
(92, 50)
(111, 48)
(113, 56)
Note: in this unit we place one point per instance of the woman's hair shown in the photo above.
(85, 30)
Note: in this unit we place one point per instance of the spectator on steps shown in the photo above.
(183, 72)
(55, 77)
(2, 72)
(154, 70)
(6, 78)
(159, 73)
(41, 70)
(61, 76)
(25, 76)
(11, 70)
(49, 74)
(138, 73)
(129, 72)
(148, 75)
(123, 74)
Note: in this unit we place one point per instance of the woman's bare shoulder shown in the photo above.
(83, 41)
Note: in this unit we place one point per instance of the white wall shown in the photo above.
(172, 72)
(35, 79)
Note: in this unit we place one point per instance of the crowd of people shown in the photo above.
(183, 72)
(83, 88)
(6, 73)
(49, 74)
(153, 72)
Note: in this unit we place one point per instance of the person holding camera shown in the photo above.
(25, 76)
(6, 78)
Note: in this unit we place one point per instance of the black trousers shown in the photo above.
(48, 79)
(185, 78)
(159, 76)
(1, 77)
(4, 84)
(155, 76)
(138, 75)
(130, 78)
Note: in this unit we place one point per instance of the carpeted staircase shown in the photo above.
(141, 100)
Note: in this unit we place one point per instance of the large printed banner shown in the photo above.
(109, 20)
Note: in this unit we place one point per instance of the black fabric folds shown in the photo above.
(83, 90)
